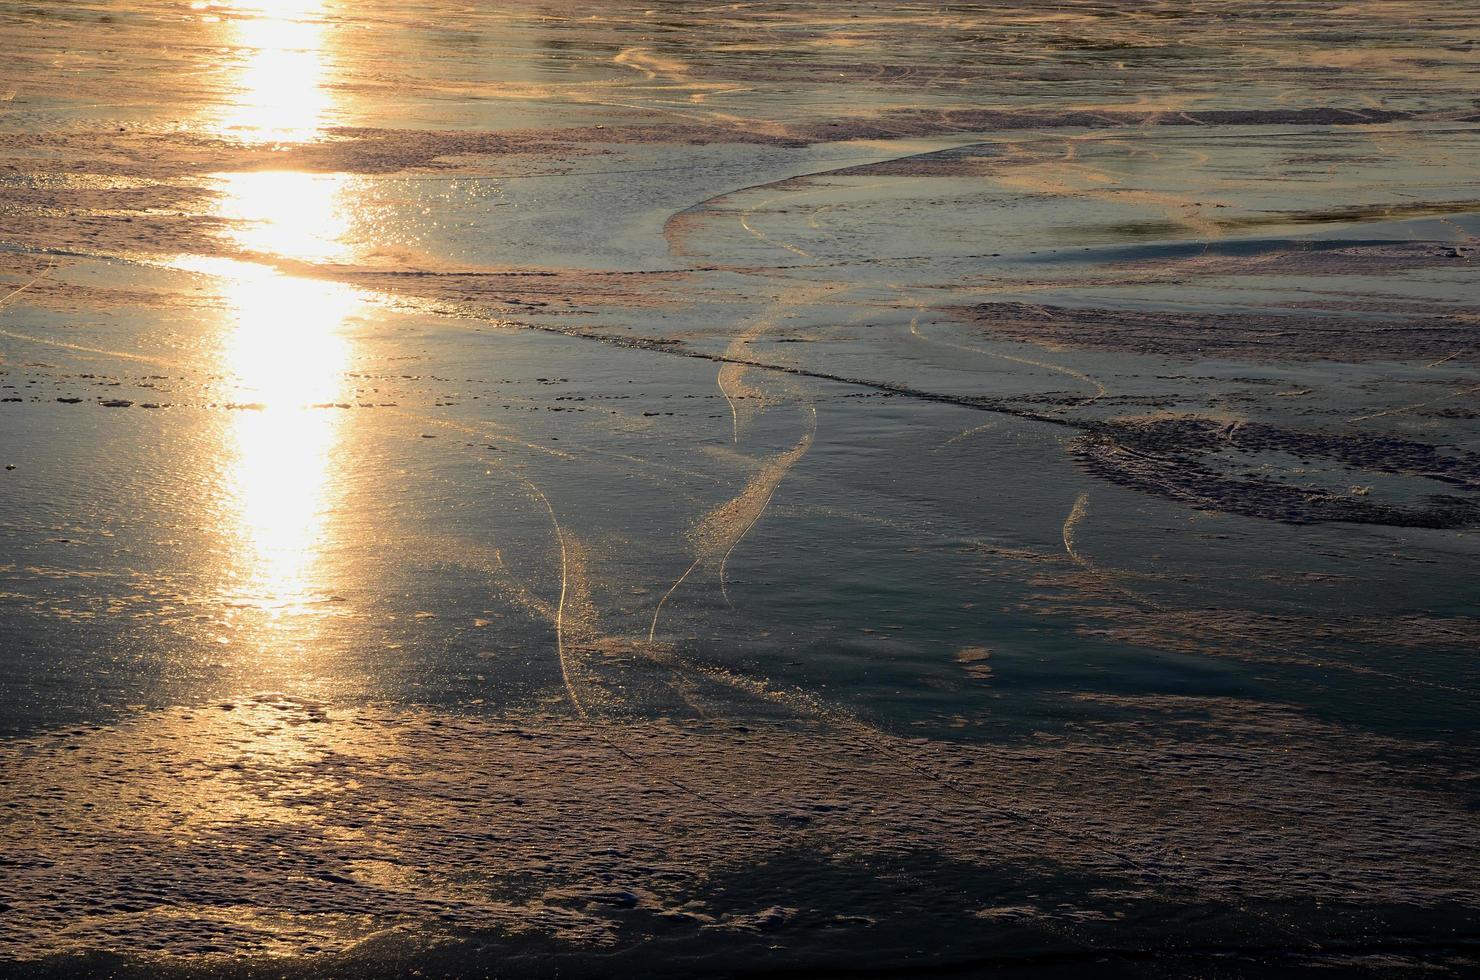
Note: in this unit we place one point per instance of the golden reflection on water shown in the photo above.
(288, 215)
(283, 346)
(286, 354)
(278, 85)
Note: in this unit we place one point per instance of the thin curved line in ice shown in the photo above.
(1402, 409)
(1100, 390)
(1112, 579)
(570, 687)
(124, 355)
(33, 281)
(773, 473)
(1071, 523)
(62, 343)
(559, 624)
(724, 560)
(566, 675)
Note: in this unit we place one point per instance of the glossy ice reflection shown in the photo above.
(283, 348)
(277, 89)
(286, 353)
(738, 488)
(287, 215)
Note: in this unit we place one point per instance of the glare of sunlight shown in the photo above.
(278, 90)
(287, 214)
(279, 482)
(286, 356)
(283, 357)
(283, 349)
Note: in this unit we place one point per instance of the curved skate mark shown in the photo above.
(965, 434)
(812, 221)
(730, 385)
(1404, 409)
(749, 213)
(730, 382)
(731, 376)
(1071, 523)
(1111, 579)
(558, 624)
(724, 528)
(701, 207)
(637, 762)
(1100, 390)
(82, 348)
(559, 621)
(790, 460)
(50, 265)
(653, 628)
(566, 674)
(761, 236)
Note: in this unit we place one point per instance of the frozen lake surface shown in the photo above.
(533, 489)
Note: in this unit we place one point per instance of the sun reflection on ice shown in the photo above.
(283, 354)
(278, 86)
(286, 354)
(283, 346)
(288, 215)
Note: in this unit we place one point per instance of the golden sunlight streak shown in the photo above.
(287, 214)
(282, 348)
(278, 92)
(284, 356)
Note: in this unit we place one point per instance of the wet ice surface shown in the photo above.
(740, 489)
